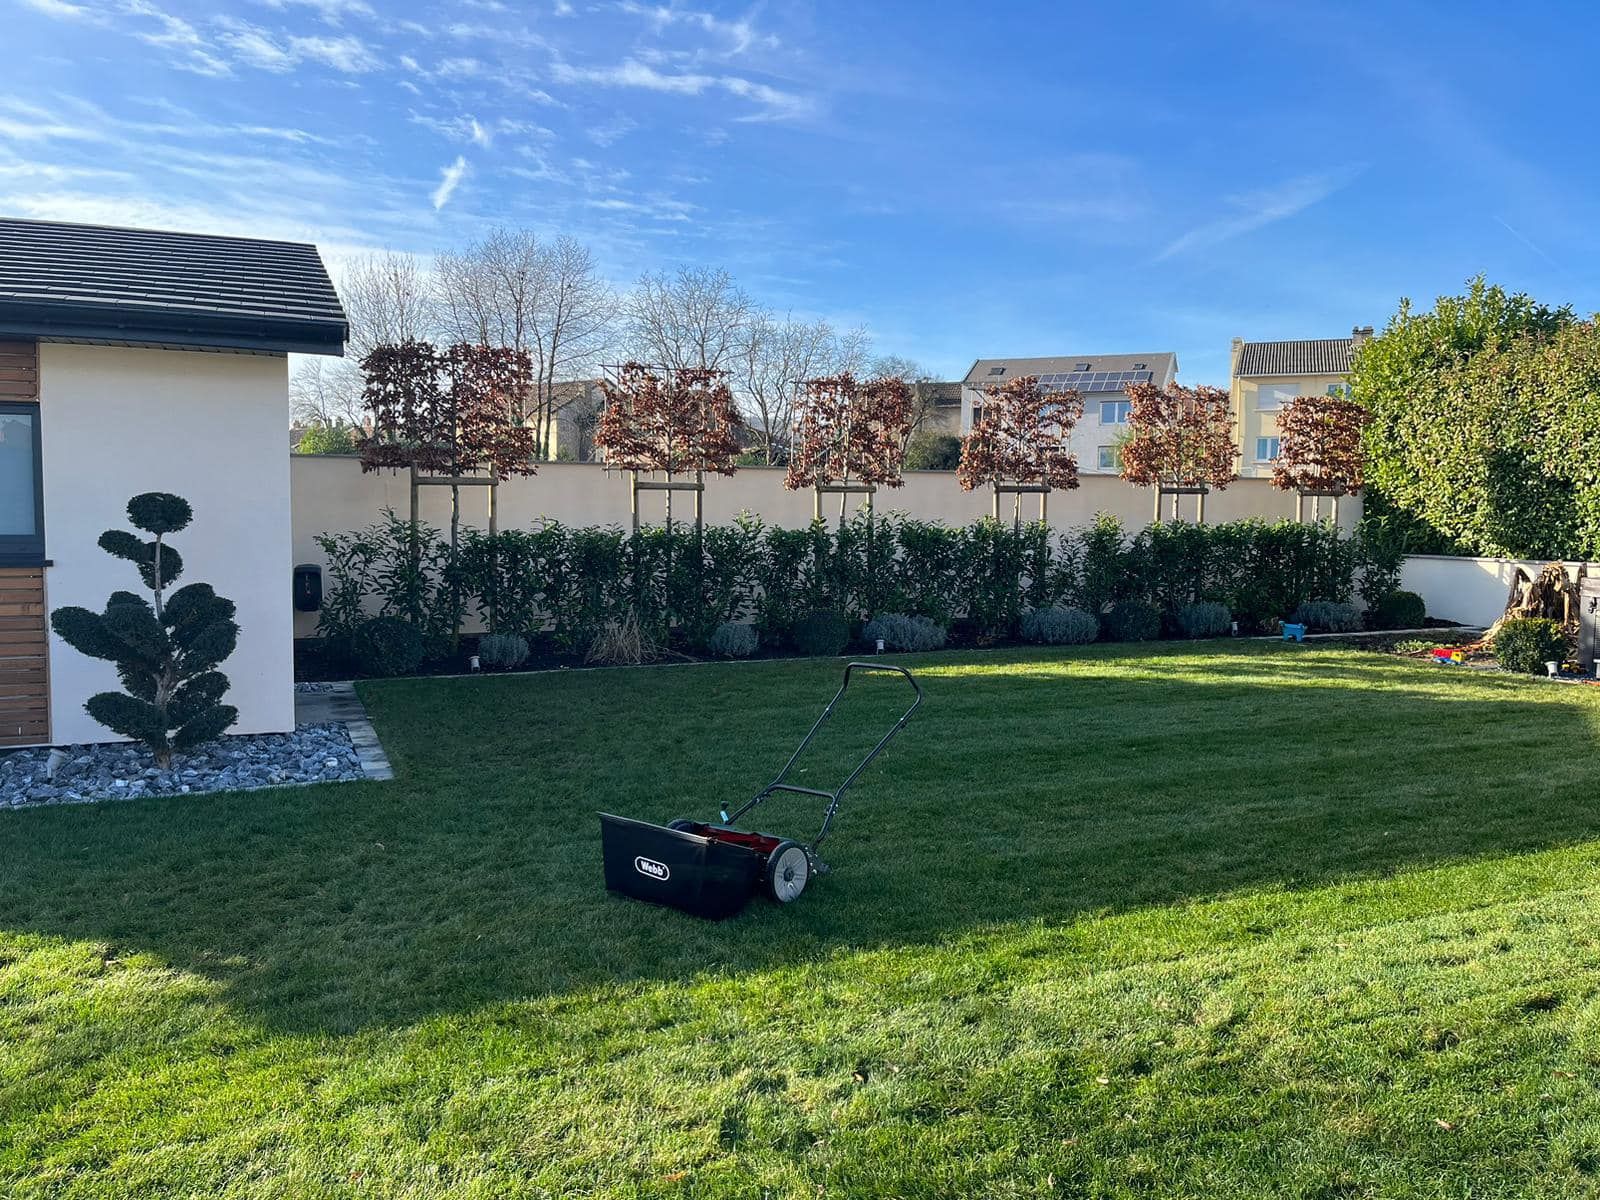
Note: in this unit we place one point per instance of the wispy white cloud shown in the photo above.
(331, 11)
(348, 54)
(450, 179)
(467, 129)
(739, 34)
(610, 132)
(631, 73)
(63, 11)
(1253, 210)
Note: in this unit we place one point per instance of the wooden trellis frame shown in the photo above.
(1316, 497)
(1017, 491)
(1198, 492)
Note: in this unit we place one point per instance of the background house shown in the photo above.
(1100, 378)
(136, 361)
(1268, 375)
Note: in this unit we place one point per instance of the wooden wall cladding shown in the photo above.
(24, 667)
(19, 371)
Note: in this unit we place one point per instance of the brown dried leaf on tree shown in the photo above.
(1022, 436)
(676, 420)
(1179, 437)
(448, 412)
(850, 431)
(1320, 445)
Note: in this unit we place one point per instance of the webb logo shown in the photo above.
(652, 869)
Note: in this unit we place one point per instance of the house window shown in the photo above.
(1109, 458)
(1114, 412)
(1272, 396)
(1267, 449)
(21, 494)
(1339, 389)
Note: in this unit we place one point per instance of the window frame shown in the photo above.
(27, 549)
(1264, 389)
(1268, 438)
(1113, 403)
(1116, 459)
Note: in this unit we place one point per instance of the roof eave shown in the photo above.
(191, 330)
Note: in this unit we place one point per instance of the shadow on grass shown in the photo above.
(1033, 787)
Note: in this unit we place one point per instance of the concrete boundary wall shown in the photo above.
(1470, 590)
(332, 495)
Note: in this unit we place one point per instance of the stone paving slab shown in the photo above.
(341, 703)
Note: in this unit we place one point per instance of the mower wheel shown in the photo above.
(788, 872)
(680, 824)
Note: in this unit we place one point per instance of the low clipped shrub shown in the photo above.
(1059, 625)
(1205, 619)
(1526, 643)
(732, 639)
(900, 632)
(822, 633)
(502, 651)
(1132, 621)
(1327, 616)
(1399, 610)
(384, 646)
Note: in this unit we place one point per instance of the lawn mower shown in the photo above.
(712, 870)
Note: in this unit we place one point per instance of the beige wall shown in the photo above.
(332, 495)
(119, 421)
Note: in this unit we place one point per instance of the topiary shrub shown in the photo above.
(1327, 616)
(733, 639)
(823, 633)
(1059, 626)
(165, 651)
(1399, 610)
(1526, 643)
(1132, 621)
(900, 632)
(1204, 619)
(502, 651)
(384, 646)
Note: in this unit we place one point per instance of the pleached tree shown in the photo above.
(1021, 441)
(1179, 441)
(850, 435)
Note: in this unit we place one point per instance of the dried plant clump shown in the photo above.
(622, 642)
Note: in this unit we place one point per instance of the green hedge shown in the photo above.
(567, 582)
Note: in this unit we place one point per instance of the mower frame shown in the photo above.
(778, 785)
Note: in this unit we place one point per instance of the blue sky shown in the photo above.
(967, 180)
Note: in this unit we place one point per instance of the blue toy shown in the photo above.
(1297, 632)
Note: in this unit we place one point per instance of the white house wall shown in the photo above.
(118, 421)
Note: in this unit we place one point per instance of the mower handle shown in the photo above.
(778, 785)
(890, 667)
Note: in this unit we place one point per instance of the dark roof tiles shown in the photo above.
(146, 286)
(1321, 356)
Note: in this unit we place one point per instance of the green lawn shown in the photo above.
(1235, 920)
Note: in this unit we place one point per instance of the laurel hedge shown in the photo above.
(563, 584)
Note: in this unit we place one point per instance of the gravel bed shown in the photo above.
(313, 689)
(86, 774)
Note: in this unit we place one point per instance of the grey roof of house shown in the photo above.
(98, 283)
(1319, 356)
(1086, 372)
